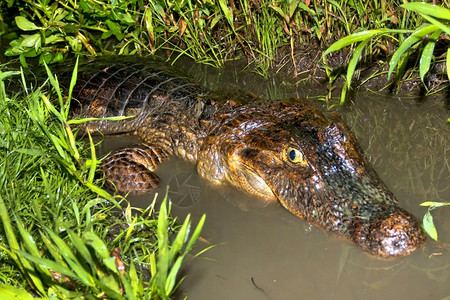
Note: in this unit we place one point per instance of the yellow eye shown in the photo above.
(295, 156)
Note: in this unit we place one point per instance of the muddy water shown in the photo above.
(264, 252)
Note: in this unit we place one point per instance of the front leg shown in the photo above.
(130, 170)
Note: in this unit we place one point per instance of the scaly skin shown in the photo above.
(286, 151)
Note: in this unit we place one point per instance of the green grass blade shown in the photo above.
(437, 23)
(428, 9)
(55, 85)
(227, 12)
(172, 276)
(102, 193)
(69, 135)
(81, 249)
(51, 248)
(30, 245)
(70, 258)
(97, 244)
(10, 292)
(136, 281)
(49, 264)
(195, 234)
(94, 161)
(163, 245)
(84, 120)
(427, 54)
(128, 288)
(351, 39)
(33, 152)
(180, 239)
(354, 61)
(407, 44)
(23, 264)
(360, 36)
(73, 81)
(448, 63)
(153, 268)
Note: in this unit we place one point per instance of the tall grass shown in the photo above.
(62, 235)
(424, 37)
(210, 31)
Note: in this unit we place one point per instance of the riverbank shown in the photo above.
(288, 37)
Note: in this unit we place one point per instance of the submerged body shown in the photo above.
(285, 150)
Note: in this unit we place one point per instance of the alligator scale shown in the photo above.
(277, 150)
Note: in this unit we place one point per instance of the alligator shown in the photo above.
(286, 151)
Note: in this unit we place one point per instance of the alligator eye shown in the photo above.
(295, 156)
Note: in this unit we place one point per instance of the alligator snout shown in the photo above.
(395, 233)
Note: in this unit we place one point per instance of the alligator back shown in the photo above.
(128, 88)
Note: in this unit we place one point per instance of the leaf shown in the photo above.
(94, 163)
(448, 63)
(354, 61)
(81, 249)
(181, 238)
(279, 11)
(437, 23)
(227, 12)
(48, 264)
(434, 204)
(73, 80)
(34, 152)
(427, 54)
(24, 24)
(428, 226)
(407, 44)
(135, 279)
(196, 234)
(360, 36)
(10, 292)
(70, 258)
(172, 276)
(84, 120)
(115, 29)
(428, 9)
(31, 40)
(163, 245)
(97, 244)
(55, 84)
(23, 264)
(30, 244)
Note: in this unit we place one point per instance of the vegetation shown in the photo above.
(426, 35)
(213, 31)
(428, 223)
(62, 235)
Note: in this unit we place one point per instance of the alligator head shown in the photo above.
(315, 168)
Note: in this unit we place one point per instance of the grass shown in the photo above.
(213, 32)
(426, 35)
(62, 235)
